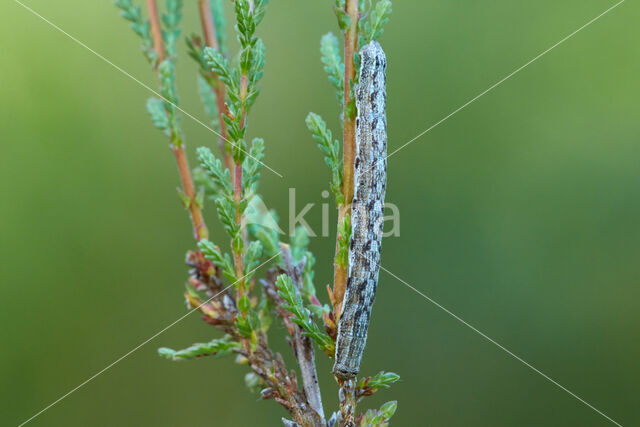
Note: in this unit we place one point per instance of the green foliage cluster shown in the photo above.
(162, 111)
(379, 417)
(216, 347)
(371, 25)
(380, 381)
(249, 245)
(301, 315)
(140, 26)
(171, 31)
(333, 65)
(242, 79)
(331, 150)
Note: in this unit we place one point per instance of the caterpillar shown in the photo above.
(370, 177)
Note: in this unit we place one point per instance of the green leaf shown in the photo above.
(195, 51)
(245, 24)
(308, 288)
(380, 417)
(227, 214)
(268, 237)
(301, 315)
(381, 380)
(216, 171)
(344, 236)
(217, 10)
(344, 20)
(243, 304)
(252, 259)
(388, 409)
(249, 325)
(373, 27)
(155, 107)
(186, 201)
(330, 55)
(171, 20)
(219, 65)
(166, 71)
(140, 26)
(216, 347)
(251, 167)
(331, 149)
(223, 262)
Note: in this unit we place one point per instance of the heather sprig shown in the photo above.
(331, 150)
(379, 417)
(301, 315)
(216, 347)
(140, 26)
(223, 272)
(333, 65)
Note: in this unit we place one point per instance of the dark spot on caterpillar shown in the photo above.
(362, 287)
(357, 163)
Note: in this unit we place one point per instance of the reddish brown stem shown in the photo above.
(208, 26)
(199, 228)
(237, 195)
(211, 39)
(156, 30)
(349, 133)
(349, 147)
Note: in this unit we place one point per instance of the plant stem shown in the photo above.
(301, 344)
(349, 131)
(349, 148)
(237, 184)
(347, 388)
(237, 195)
(156, 30)
(211, 40)
(347, 397)
(199, 228)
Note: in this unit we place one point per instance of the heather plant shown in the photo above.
(244, 281)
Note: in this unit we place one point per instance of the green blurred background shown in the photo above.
(520, 214)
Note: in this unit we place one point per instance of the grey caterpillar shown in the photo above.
(370, 176)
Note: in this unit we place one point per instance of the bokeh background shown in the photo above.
(521, 214)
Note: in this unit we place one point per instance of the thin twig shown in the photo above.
(347, 388)
(349, 149)
(199, 228)
(347, 397)
(156, 30)
(303, 348)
